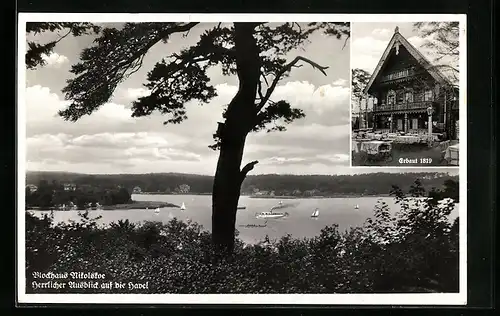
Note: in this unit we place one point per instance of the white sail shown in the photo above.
(183, 206)
(356, 207)
(315, 213)
(157, 210)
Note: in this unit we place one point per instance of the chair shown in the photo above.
(453, 159)
(444, 145)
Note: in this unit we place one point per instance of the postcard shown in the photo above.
(219, 159)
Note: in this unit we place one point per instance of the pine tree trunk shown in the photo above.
(240, 118)
(225, 196)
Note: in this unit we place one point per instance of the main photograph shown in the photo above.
(214, 158)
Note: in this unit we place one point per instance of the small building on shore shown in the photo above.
(69, 187)
(137, 190)
(32, 188)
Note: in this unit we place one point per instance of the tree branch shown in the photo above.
(259, 90)
(345, 42)
(280, 74)
(105, 65)
(64, 36)
(265, 78)
(248, 167)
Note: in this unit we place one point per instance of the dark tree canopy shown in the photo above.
(359, 80)
(182, 77)
(36, 51)
(443, 37)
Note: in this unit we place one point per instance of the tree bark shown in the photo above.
(240, 116)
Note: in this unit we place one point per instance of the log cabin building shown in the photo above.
(404, 85)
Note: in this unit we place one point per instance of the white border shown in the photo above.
(271, 299)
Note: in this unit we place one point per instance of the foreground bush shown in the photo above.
(414, 250)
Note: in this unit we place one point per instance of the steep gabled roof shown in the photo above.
(398, 39)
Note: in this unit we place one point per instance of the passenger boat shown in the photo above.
(271, 214)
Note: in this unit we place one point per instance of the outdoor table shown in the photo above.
(356, 144)
(410, 139)
(372, 147)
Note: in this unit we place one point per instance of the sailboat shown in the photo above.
(280, 205)
(183, 206)
(157, 210)
(356, 207)
(315, 214)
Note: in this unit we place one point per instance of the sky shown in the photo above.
(111, 141)
(369, 41)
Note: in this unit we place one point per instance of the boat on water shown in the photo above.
(252, 225)
(157, 210)
(183, 206)
(271, 214)
(356, 207)
(277, 207)
(315, 214)
(241, 207)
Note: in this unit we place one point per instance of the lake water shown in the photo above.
(299, 222)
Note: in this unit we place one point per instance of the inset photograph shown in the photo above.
(405, 94)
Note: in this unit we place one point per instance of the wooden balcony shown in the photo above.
(403, 106)
(404, 73)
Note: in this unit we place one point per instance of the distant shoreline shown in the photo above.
(135, 205)
(345, 196)
(164, 193)
(282, 197)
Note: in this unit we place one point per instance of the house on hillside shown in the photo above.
(405, 87)
(261, 193)
(137, 190)
(32, 187)
(69, 187)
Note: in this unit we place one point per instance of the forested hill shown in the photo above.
(366, 184)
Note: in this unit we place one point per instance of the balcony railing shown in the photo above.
(403, 106)
(398, 75)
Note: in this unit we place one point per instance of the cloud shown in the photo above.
(110, 148)
(339, 82)
(335, 158)
(135, 93)
(54, 59)
(382, 32)
(325, 105)
(42, 106)
(366, 52)
(110, 140)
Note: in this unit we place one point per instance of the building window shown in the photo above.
(428, 95)
(400, 96)
(391, 98)
(414, 123)
(418, 96)
(409, 96)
